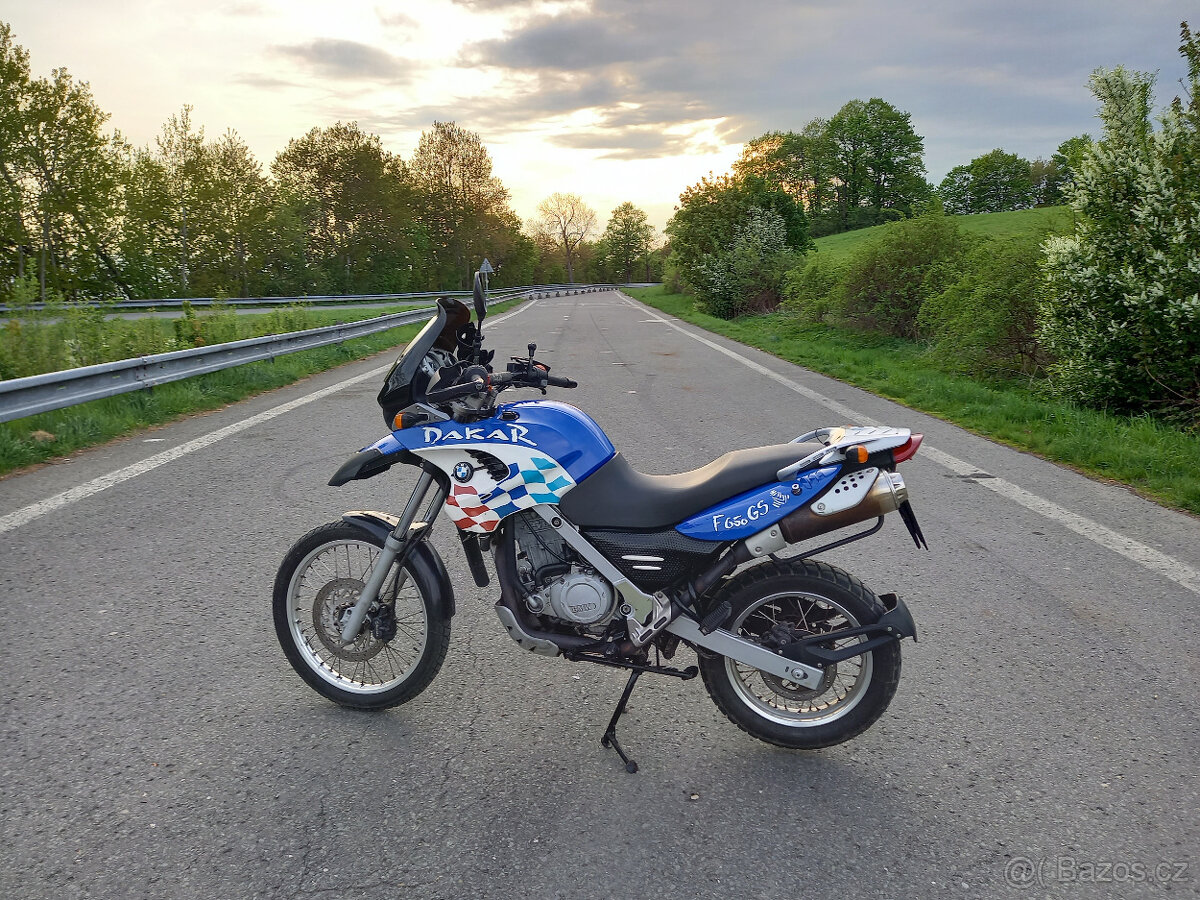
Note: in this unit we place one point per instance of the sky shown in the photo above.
(614, 100)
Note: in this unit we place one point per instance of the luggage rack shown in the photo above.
(837, 438)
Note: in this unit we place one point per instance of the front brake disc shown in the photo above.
(330, 609)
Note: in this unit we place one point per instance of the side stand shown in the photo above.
(610, 733)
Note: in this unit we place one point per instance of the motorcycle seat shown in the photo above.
(618, 496)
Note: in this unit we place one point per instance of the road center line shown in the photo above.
(1135, 551)
(104, 482)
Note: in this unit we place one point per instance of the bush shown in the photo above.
(711, 219)
(985, 322)
(808, 289)
(887, 280)
(746, 276)
(1123, 317)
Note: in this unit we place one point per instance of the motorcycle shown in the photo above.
(597, 562)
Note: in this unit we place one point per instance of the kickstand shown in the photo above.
(610, 733)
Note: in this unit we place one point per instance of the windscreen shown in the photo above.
(398, 388)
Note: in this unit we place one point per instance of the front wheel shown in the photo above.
(778, 602)
(401, 645)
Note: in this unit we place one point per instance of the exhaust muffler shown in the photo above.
(885, 496)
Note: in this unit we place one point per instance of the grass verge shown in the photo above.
(1155, 460)
(837, 248)
(43, 437)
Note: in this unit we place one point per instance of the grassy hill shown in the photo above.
(1004, 224)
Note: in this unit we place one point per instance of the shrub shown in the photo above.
(746, 275)
(1123, 317)
(712, 214)
(985, 322)
(808, 289)
(887, 280)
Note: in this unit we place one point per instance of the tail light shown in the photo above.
(908, 449)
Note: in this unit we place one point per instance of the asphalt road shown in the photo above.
(154, 742)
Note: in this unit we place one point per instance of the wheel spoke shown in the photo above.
(787, 702)
(325, 587)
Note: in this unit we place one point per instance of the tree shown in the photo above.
(186, 170)
(895, 170)
(1123, 317)
(875, 162)
(465, 206)
(627, 239)
(72, 176)
(736, 234)
(994, 182)
(1051, 178)
(146, 243)
(818, 167)
(710, 212)
(568, 221)
(241, 211)
(798, 163)
(778, 157)
(356, 203)
(15, 242)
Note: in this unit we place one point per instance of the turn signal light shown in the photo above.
(856, 453)
(403, 420)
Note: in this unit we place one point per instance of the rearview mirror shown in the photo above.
(480, 304)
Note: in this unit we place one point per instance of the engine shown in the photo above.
(557, 583)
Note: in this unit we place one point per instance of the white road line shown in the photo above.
(104, 482)
(1135, 551)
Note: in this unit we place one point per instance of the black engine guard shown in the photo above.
(895, 624)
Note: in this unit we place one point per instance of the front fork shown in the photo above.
(396, 547)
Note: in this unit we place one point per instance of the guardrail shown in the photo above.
(284, 301)
(20, 397)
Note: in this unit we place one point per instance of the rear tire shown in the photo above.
(805, 597)
(320, 579)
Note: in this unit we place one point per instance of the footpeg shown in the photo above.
(716, 618)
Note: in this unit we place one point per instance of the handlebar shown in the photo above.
(475, 386)
(500, 380)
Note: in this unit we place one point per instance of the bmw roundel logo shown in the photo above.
(463, 471)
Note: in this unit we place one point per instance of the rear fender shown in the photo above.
(424, 555)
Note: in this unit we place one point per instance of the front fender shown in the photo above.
(423, 556)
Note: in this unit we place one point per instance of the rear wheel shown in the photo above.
(775, 603)
(400, 647)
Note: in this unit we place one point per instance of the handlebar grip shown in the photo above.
(459, 390)
(561, 382)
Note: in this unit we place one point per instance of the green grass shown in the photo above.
(838, 247)
(1157, 461)
(39, 438)
(65, 337)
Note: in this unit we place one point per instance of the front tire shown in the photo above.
(401, 645)
(777, 601)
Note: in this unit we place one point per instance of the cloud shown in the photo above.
(342, 59)
(396, 20)
(562, 43)
(490, 5)
(991, 73)
(243, 8)
(626, 143)
(266, 82)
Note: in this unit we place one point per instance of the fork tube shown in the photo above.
(391, 547)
